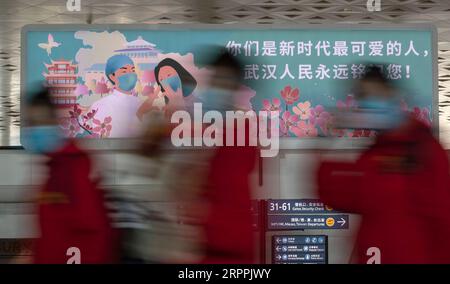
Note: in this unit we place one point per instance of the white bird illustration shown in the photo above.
(49, 45)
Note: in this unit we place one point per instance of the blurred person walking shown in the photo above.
(70, 205)
(209, 186)
(160, 222)
(399, 185)
(228, 224)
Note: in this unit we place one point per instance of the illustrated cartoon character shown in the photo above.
(174, 85)
(118, 111)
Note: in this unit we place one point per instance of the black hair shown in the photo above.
(188, 82)
(374, 74)
(226, 60)
(40, 97)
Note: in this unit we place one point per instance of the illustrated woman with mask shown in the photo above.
(175, 85)
(120, 108)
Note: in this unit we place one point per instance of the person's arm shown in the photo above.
(433, 198)
(86, 199)
(339, 185)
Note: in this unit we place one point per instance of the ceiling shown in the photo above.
(16, 13)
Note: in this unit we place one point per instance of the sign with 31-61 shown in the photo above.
(297, 206)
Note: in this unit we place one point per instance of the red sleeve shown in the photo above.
(339, 184)
(437, 167)
(85, 196)
(228, 228)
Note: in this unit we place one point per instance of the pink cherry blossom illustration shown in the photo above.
(70, 127)
(287, 122)
(89, 115)
(304, 129)
(274, 105)
(319, 117)
(423, 115)
(290, 95)
(80, 119)
(303, 110)
(103, 129)
(76, 112)
(349, 103)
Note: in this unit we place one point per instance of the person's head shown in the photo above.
(120, 71)
(374, 84)
(169, 74)
(227, 72)
(41, 133)
(225, 81)
(40, 110)
(155, 129)
(379, 100)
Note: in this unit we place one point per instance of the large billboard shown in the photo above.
(105, 79)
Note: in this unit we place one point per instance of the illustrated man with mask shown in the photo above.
(117, 113)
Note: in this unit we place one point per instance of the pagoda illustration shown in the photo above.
(61, 79)
(143, 53)
(139, 49)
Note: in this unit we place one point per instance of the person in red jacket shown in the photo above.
(399, 185)
(228, 227)
(71, 207)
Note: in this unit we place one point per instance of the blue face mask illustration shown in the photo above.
(42, 139)
(127, 82)
(173, 82)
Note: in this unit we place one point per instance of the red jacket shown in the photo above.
(228, 229)
(400, 187)
(72, 212)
